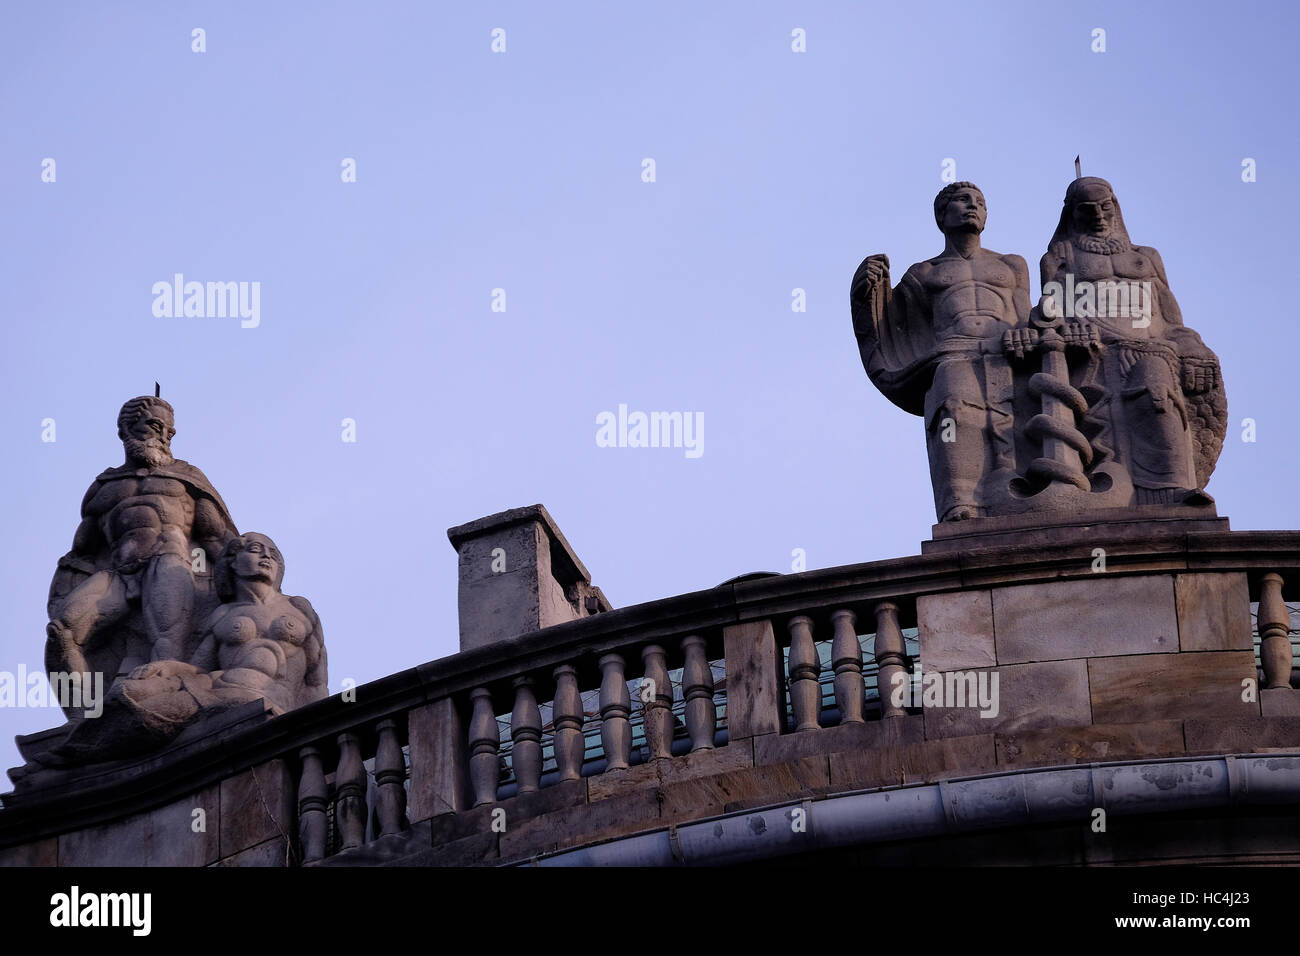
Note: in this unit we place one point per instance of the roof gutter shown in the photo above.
(1008, 799)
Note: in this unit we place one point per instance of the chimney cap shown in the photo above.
(565, 564)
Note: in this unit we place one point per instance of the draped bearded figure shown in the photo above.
(131, 587)
(1156, 402)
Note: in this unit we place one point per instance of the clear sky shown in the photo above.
(522, 171)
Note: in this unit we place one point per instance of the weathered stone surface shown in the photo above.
(1241, 734)
(448, 827)
(926, 761)
(1164, 686)
(167, 605)
(704, 763)
(956, 630)
(755, 691)
(518, 574)
(1213, 612)
(410, 847)
(256, 805)
(162, 837)
(1101, 616)
(1057, 408)
(746, 788)
(1030, 697)
(37, 853)
(269, 854)
(439, 761)
(871, 735)
(575, 826)
(1279, 702)
(1095, 744)
(179, 509)
(997, 567)
(477, 849)
(1133, 530)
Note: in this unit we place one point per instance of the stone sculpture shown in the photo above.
(1155, 399)
(126, 593)
(933, 346)
(1098, 397)
(160, 595)
(258, 644)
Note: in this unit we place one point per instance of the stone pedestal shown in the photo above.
(1073, 527)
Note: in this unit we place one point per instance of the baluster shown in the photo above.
(657, 710)
(390, 775)
(526, 732)
(350, 781)
(313, 799)
(846, 658)
(697, 690)
(891, 659)
(484, 743)
(1274, 627)
(568, 716)
(615, 708)
(805, 668)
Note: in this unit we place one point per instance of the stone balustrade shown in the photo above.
(612, 725)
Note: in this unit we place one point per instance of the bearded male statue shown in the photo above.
(126, 593)
(1156, 402)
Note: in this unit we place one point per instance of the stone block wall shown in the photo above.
(245, 820)
(1096, 652)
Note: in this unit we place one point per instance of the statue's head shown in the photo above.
(960, 206)
(251, 557)
(1092, 212)
(146, 426)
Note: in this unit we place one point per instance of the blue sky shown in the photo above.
(522, 171)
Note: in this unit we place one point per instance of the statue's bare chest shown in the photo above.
(166, 494)
(953, 274)
(277, 622)
(1122, 265)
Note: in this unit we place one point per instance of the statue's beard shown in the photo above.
(1107, 243)
(152, 451)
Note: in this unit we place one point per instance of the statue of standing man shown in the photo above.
(934, 346)
(126, 593)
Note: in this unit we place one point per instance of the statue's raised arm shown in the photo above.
(895, 335)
